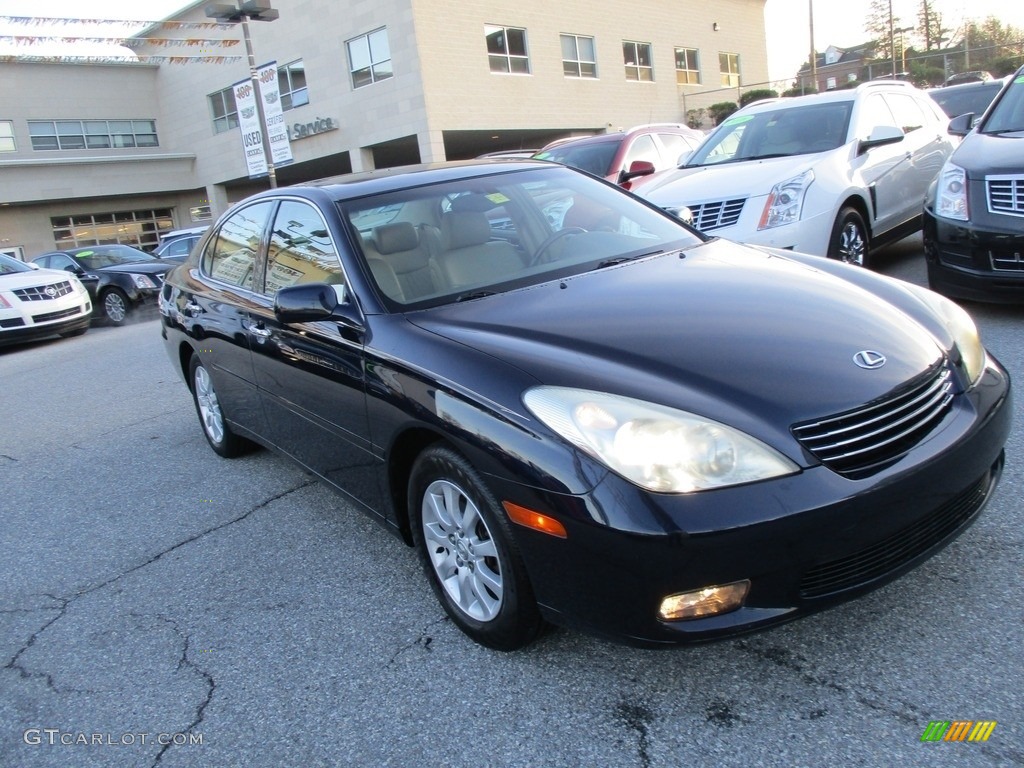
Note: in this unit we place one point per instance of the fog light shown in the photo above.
(709, 601)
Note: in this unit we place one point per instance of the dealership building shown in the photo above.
(121, 151)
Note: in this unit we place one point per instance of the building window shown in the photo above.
(291, 82)
(92, 134)
(729, 65)
(223, 110)
(830, 83)
(140, 229)
(578, 56)
(506, 50)
(7, 136)
(369, 58)
(687, 66)
(637, 59)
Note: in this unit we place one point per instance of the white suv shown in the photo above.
(832, 174)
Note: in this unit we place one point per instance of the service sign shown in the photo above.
(249, 124)
(277, 131)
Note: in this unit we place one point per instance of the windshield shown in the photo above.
(780, 132)
(971, 98)
(9, 266)
(108, 256)
(592, 157)
(1007, 114)
(475, 236)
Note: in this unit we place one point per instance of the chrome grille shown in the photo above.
(724, 213)
(1007, 259)
(38, 292)
(865, 440)
(1005, 194)
(898, 549)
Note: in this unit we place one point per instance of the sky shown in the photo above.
(836, 22)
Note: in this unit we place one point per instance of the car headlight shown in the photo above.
(961, 327)
(141, 281)
(951, 193)
(656, 447)
(786, 201)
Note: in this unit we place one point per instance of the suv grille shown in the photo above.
(865, 440)
(39, 292)
(724, 213)
(1005, 194)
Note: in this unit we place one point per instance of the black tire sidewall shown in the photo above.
(846, 215)
(231, 445)
(518, 621)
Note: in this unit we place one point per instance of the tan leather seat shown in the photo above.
(398, 245)
(470, 257)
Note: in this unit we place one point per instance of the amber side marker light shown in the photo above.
(535, 520)
(709, 601)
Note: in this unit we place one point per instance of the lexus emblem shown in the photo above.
(869, 359)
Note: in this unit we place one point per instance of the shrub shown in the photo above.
(721, 110)
(757, 95)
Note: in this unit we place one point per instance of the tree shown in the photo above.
(929, 25)
(879, 23)
(722, 110)
(757, 95)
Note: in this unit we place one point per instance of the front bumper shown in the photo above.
(805, 542)
(972, 261)
(29, 327)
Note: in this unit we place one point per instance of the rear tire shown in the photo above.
(218, 434)
(849, 241)
(468, 552)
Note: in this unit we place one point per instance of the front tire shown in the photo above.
(849, 241)
(115, 306)
(218, 434)
(468, 552)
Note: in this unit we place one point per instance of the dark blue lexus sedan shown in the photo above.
(579, 410)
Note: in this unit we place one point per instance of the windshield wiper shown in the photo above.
(623, 259)
(474, 295)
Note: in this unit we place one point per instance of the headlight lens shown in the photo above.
(656, 447)
(951, 193)
(962, 328)
(141, 281)
(786, 201)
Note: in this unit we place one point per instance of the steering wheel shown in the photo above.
(549, 241)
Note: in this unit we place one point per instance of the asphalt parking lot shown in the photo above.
(162, 606)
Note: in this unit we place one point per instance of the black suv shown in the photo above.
(974, 211)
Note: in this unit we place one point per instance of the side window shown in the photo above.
(301, 250)
(874, 113)
(907, 112)
(642, 149)
(231, 256)
(675, 145)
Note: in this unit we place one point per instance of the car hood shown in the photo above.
(138, 268)
(750, 338)
(982, 154)
(714, 182)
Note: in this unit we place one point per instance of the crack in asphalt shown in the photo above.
(423, 640)
(64, 603)
(184, 662)
(637, 717)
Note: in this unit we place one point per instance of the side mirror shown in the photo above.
(684, 158)
(309, 302)
(636, 168)
(74, 269)
(961, 125)
(880, 136)
(33, 265)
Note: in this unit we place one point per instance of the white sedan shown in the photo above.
(833, 174)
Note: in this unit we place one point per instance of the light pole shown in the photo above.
(257, 11)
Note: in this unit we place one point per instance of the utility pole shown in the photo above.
(814, 53)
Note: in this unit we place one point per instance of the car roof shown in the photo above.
(354, 185)
(836, 95)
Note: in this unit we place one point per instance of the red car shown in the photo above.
(623, 156)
